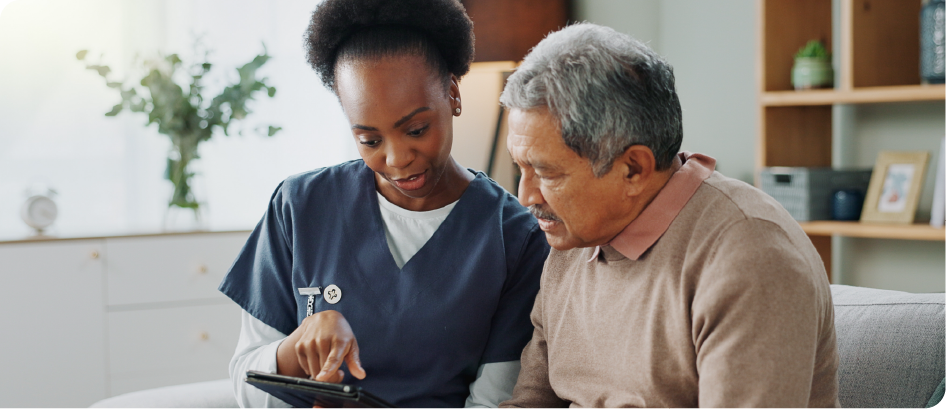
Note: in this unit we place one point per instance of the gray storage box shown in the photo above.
(806, 192)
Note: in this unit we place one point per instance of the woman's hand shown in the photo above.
(318, 347)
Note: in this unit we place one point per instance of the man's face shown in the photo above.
(574, 208)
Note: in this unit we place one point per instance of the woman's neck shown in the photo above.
(448, 189)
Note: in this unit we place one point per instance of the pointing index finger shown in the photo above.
(333, 361)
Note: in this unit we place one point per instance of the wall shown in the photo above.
(109, 171)
(639, 19)
(712, 47)
(894, 264)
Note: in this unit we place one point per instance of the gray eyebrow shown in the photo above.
(538, 165)
(544, 166)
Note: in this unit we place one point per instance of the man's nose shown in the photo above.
(399, 155)
(529, 193)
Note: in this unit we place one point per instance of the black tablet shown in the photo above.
(305, 393)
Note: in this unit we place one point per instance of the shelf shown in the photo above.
(876, 231)
(868, 95)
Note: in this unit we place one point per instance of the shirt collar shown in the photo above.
(647, 228)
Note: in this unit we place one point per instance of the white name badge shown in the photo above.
(310, 291)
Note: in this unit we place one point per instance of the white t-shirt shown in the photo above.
(406, 232)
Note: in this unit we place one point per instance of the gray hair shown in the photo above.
(607, 90)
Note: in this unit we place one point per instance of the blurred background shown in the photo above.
(120, 265)
(108, 172)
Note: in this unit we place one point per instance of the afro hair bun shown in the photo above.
(444, 23)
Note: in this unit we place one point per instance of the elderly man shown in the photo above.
(669, 284)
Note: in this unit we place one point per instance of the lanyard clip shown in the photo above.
(311, 292)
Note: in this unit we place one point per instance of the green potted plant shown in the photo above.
(184, 112)
(812, 67)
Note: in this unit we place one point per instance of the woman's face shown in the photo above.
(401, 117)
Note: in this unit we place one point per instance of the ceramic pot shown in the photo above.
(933, 42)
(846, 204)
(809, 73)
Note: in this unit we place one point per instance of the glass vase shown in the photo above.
(183, 219)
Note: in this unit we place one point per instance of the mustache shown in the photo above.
(541, 213)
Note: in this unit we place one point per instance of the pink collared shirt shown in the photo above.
(644, 231)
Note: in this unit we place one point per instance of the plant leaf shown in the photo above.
(115, 110)
(182, 112)
(138, 106)
(103, 70)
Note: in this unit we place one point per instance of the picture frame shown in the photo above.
(895, 186)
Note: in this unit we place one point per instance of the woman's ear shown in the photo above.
(454, 95)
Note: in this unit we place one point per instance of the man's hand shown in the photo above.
(318, 347)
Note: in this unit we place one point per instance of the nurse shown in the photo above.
(416, 273)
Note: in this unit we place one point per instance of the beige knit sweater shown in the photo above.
(730, 307)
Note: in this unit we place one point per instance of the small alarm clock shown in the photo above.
(39, 211)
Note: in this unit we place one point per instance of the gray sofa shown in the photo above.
(891, 345)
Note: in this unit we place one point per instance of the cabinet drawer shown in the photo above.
(169, 268)
(149, 343)
(53, 326)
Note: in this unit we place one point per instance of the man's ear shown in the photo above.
(637, 166)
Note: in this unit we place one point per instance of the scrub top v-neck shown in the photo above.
(407, 231)
(461, 301)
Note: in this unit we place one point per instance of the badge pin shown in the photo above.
(332, 294)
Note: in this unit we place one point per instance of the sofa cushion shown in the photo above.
(891, 346)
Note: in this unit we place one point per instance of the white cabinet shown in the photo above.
(167, 268)
(52, 315)
(169, 346)
(113, 315)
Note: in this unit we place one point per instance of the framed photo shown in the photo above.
(895, 187)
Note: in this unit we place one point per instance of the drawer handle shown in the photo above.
(94, 255)
(204, 336)
(202, 269)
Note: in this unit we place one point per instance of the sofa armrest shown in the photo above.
(211, 394)
(891, 346)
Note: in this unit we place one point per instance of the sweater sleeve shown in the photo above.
(757, 314)
(533, 389)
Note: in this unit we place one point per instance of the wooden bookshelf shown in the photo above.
(879, 63)
(865, 95)
(875, 230)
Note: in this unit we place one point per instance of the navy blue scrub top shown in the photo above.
(423, 330)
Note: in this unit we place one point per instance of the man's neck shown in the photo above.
(653, 188)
